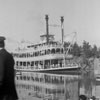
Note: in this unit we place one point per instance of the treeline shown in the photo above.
(85, 50)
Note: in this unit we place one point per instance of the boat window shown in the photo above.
(53, 51)
(28, 63)
(48, 51)
(36, 54)
(42, 52)
(62, 50)
(41, 62)
(28, 78)
(24, 63)
(36, 63)
(20, 63)
(58, 50)
(17, 63)
(24, 77)
(32, 63)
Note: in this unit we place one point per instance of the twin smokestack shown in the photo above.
(47, 28)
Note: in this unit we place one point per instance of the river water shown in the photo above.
(47, 86)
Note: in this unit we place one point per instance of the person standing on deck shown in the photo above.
(7, 75)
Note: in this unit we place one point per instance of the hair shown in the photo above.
(2, 44)
(82, 97)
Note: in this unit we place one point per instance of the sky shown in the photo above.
(25, 19)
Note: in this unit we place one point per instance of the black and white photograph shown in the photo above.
(49, 49)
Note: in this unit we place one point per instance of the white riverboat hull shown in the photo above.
(61, 70)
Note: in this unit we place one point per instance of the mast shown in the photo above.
(62, 28)
(47, 29)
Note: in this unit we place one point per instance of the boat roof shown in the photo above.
(45, 43)
(43, 35)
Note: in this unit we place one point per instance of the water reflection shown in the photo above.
(46, 86)
(87, 84)
(43, 86)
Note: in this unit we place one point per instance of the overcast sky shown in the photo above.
(25, 19)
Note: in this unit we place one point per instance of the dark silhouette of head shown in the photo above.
(82, 97)
(2, 42)
(93, 98)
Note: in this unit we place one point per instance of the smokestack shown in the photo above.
(47, 28)
(62, 28)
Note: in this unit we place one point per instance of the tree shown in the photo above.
(76, 50)
(86, 49)
(94, 51)
(98, 52)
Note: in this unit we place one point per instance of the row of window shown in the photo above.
(52, 62)
(32, 63)
(43, 80)
(39, 53)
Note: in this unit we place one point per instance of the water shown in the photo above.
(46, 86)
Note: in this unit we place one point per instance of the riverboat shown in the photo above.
(47, 56)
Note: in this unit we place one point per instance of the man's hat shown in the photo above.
(2, 38)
